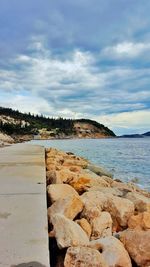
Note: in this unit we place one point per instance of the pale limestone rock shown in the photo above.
(126, 187)
(120, 209)
(58, 160)
(75, 168)
(141, 202)
(65, 175)
(137, 243)
(83, 181)
(109, 180)
(53, 152)
(107, 190)
(104, 181)
(62, 175)
(75, 162)
(57, 191)
(51, 161)
(83, 257)
(80, 184)
(53, 165)
(112, 251)
(69, 207)
(85, 226)
(144, 193)
(101, 226)
(68, 233)
(141, 220)
(99, 170)
(94, 203)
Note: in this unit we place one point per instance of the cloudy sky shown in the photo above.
(78, 58)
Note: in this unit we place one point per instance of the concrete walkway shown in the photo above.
(23, 211)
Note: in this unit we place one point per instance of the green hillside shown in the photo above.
(15, 122)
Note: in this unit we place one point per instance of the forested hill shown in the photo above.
(13, 122)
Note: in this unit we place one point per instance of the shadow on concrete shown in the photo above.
(29, 264)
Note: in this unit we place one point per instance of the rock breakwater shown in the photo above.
(94, 220)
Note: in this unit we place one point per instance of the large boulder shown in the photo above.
(57, 191)
(85, 226)
(141, 220)
(120, 209)
(65, 175)
(137, 243)
(99, 170)
(69, 207)
(68, 233)
(101, 225)
(60, 176)
(55, 160)
(83, 181)
(53, 166)
(107, 190)
(141, 202)
(94, 203)
(83, 257)
(75, 161)
(75, 168)
(80, 183)
(112, 251)
(53, 152)
(125, 187)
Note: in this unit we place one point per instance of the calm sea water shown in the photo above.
(126, 158)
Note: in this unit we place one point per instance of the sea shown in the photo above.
(128, 159)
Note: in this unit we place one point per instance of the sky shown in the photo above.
(78, 59)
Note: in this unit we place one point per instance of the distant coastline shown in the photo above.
(20, 127)
(147, 134)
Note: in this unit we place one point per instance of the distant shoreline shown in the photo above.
(5, 144)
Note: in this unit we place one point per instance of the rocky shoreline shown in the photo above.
(7, 140)
(94, 220)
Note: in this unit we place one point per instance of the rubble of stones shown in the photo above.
(94, 220)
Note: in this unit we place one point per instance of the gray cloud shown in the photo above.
(76, 82)
(76, 58)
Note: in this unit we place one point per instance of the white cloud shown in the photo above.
(27, 104)
(126, 49)
(43, 72)
(139, 119)
(73, 86)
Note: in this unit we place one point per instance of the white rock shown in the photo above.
(57, 191)
(112, 251)
(94, 203)
(69, 207)
(141, 202)
(83, 257)
(120, 208)
(101, 225)
(68, 233)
